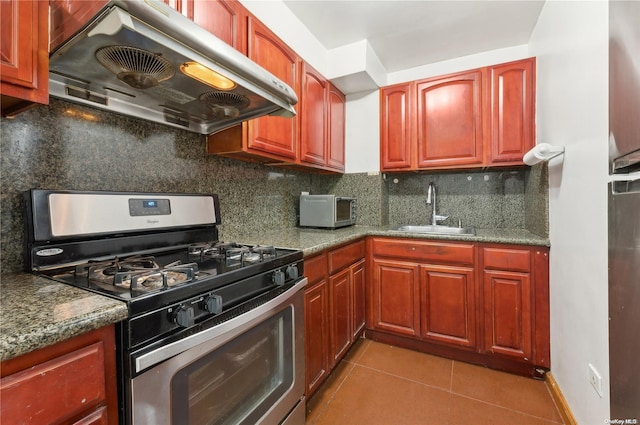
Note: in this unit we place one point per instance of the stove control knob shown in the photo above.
(213, 304)
(292, 272)
(278, 277)
(184, 316)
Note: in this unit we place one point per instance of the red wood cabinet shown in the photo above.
(70, 382)
(482, 303)
(477, 118)
(515, 305)
(313, 111)
(334, 309)
(449, 120)
(396, 126)
(512, 100)
(316, 323)
(24, 55)
(448, 295)
(226, 19)
(69, 16)
(336, 114)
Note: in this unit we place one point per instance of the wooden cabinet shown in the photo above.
(515, 287)
(24, 55)
(479, 303)
(449, 121)
(69, 16)
(316, 322)
(512, 110)
(226, 19)
(334, 309)
(396, 126)
(476, 118)
(336, 114)
(313, 116)
(70, 382)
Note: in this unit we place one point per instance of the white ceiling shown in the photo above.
(405, 34)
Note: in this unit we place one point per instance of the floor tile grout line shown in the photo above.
(333, 394)
(404, 378)
(505, 408)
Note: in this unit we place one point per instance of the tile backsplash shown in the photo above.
(71, 147)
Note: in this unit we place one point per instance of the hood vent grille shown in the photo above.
(224, 105)
(138, 68)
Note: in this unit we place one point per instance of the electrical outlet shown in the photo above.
(595, 379)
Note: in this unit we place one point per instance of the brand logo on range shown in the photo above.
(49, 252)
(153, 221)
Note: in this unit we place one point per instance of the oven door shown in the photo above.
(248, 370)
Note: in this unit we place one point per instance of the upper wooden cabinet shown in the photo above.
(449, 121)
(24, 55)
(512, 130)
(322, 121)
(476, 118)
(226, 19)
(269, 139)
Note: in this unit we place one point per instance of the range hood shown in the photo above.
(133, 58)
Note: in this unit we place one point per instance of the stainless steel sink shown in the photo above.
(438, 230)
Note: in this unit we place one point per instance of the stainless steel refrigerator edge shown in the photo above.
(624, 210)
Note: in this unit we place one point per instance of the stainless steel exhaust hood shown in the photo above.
(143, 59)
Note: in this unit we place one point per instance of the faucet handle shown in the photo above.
(440, 217)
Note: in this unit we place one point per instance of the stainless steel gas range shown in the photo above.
(215, 330)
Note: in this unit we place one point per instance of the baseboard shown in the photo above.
(561, 402)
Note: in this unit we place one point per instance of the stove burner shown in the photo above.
(232, 253)
(140, 273)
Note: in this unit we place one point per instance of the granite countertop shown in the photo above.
(312, 241)
(37, 312)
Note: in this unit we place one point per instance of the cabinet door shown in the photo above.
(340, 313)
(226, 19)
(512, 111)
(396, 126)
(448, 305)
(507, 314)
(449, 120)
(336, 128)
(24, 56)
(395, 297)
(313, 125)
(272, 134)
(316, 328)
(358, 296)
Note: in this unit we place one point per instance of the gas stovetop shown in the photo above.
(149, 281)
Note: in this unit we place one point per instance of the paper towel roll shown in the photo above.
(542, 152)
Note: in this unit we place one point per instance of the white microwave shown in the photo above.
(327, 211)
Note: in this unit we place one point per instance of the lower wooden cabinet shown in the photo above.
(73, 381)
(334, 309)
(475, 302)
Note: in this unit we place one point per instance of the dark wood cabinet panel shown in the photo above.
(316, 324)
(449, 120)
(346, 255)
(336, 104)
(358, 297)
(512, 102)
(396, 126)
(340, 313)
(24, 55)
(73, 381)
(448, 305)
(395, 297)
(313, 125)
(226, 19)
(507, 308)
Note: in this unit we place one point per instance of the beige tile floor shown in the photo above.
(378, 384)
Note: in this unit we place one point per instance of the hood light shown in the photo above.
(207, 76)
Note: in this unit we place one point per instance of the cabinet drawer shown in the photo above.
(517, 260)
(315, 268)
(347, 255)
(55, 390)
(438, 252)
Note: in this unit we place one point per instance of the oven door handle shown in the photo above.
(220, 334)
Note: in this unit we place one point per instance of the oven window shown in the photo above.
(343, 210)
(239, 381)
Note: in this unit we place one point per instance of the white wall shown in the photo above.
(570, 42)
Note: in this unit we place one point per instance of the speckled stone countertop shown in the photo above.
(312, 241)
(36, 312)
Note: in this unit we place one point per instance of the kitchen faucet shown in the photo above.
(431, 200)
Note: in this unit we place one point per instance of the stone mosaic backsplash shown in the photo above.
(70, 147)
